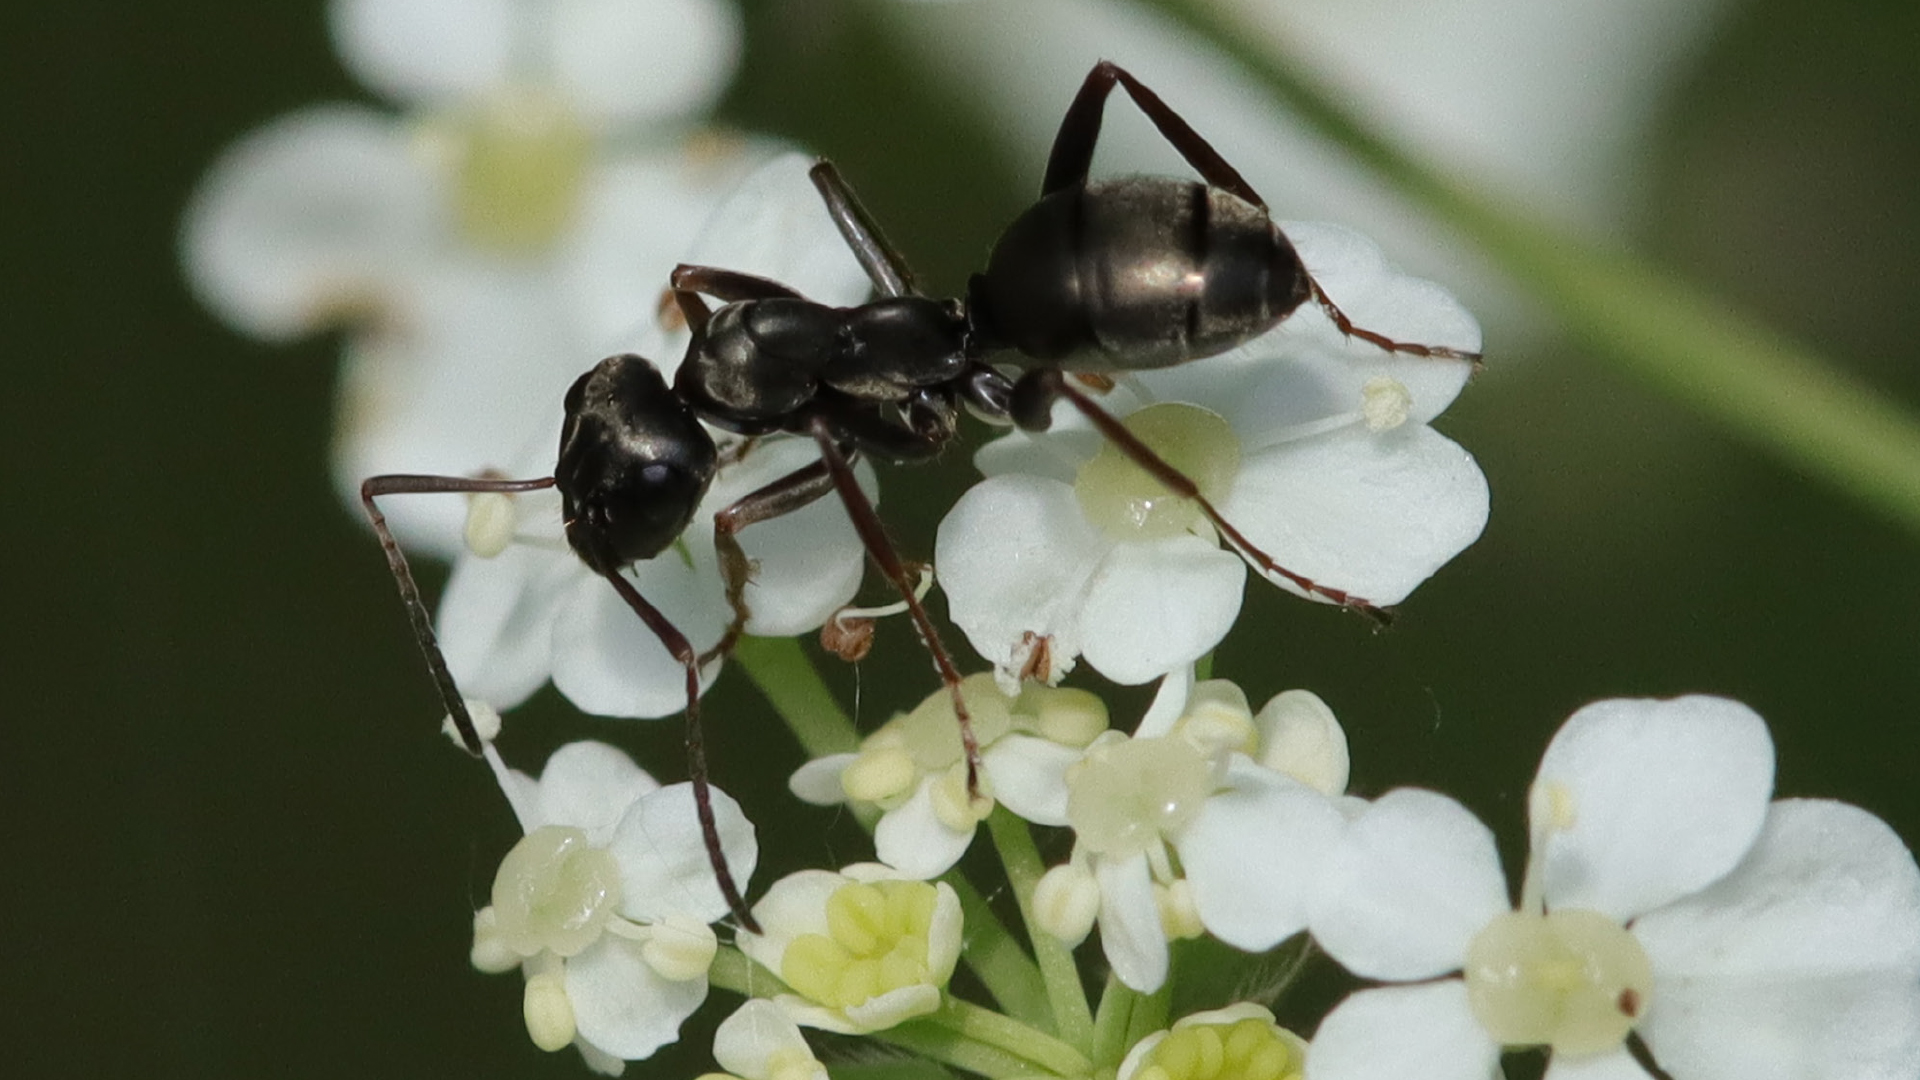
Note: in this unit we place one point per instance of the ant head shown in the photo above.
(634, 464)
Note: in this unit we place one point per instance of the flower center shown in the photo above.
(876, 942)
(1126, 502)
(1247, 1049)
(519, 166)
(1573, 980)
(554, 891)
(1124, 797)
(931, 732)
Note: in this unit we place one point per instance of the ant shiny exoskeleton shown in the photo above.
(1095, 278)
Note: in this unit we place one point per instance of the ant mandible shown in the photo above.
(1114, 276)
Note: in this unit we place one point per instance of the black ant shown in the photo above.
(1095, 278)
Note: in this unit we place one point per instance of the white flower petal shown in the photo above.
(912, 839)
(1014, 556)
(589, 786)
(664, 867)
(1029, 776)
(622, 1006)
(944, 934)
(306, 219)
(608, 662)
(795, 905)
(495, 622)
(467, 374)
(629, 63)
(1804, 961)
(1406, 888)
(1403, 1031)
(1157, 606)
(428, 51)
(893, 1007)
(1253, 853)
(638, 214)
(1615, 1064)
(808, 1014)
(747, 1041)
(1130, 930)
(522, 791)
(1372, 514)
(1056, 453)
(1659, 798)
(818, 781)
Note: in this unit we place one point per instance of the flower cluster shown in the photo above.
(1672, 919)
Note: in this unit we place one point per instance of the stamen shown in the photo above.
(492, 519)
(1385, 403)
(1573, 980)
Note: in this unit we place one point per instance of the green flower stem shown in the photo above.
(733, 970)
(1012, 1036)
(1149, 1013)
(949, 1047)
(782, 671)
(1114, 1022)
(1764, 388)
(1072, 1019)
(785, 674)
(998, 961)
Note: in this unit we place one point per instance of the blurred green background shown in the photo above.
(237, 846)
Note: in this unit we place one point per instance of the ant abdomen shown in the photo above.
(1137, 273)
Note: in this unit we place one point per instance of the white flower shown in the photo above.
(1239, 1042)
(759, 1042)
(863, 949)
(523, 608)
(913, 768)
(512, 224)
(604, 905)
(1664, 897)
(1316, 447)
(1202, 780)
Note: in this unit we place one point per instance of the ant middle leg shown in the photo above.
(1046, 384)
(797, 489)
(873, 535)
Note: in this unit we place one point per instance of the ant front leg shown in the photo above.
(682, 650)
(883, 264)
(873, 534)
(403, 484)
(1072, 156)
(799, 488)
(1046, 384)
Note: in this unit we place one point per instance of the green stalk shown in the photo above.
(1776, 394)
(782, 671)
(1072, 1019)
(1005, 1033)
(1112, 1024)
(998, 961)
(951, 1048)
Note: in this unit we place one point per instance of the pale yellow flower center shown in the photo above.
(1128, 503)
(1125, 797)
(519, 163)
(1247, 1049)
(876, 942)
(1574, 980)
(554, 891)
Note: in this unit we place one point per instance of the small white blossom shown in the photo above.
(604, 905)
(1068, 543)
(1664, 897)
(759, 1042)
(520, 610)
(514, 220)
(914, 769)
(1200, 782)
(862, 950)
(1238, 1042)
